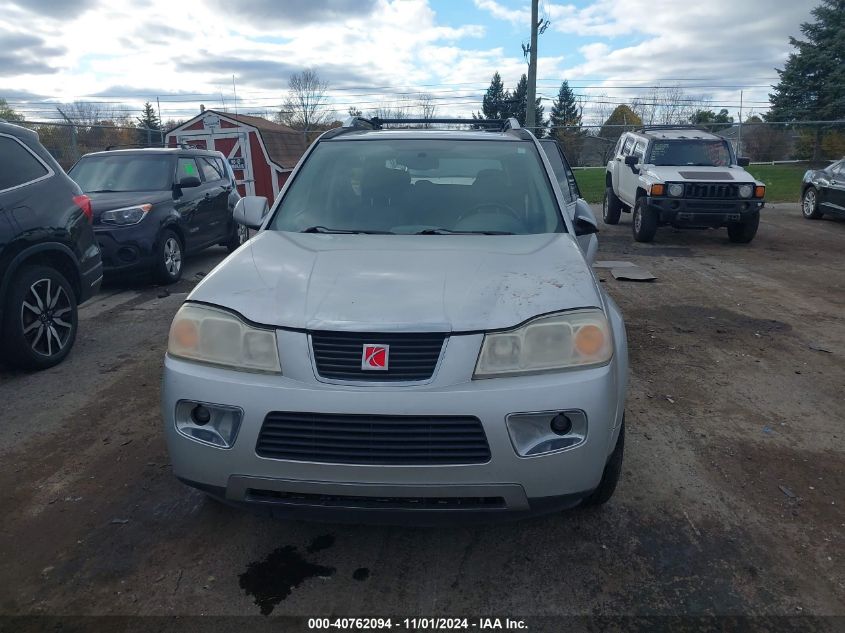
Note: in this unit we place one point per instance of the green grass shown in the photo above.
(783, 182)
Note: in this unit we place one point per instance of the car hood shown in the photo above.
(400, 282)
(106, 201)
(692, 173)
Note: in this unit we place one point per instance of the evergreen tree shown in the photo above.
(149, 126)
(493, 105)
(518, 107)
(812, 82)
(565, 123)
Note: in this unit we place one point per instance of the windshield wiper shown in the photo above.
(450, 232)
(325, 229)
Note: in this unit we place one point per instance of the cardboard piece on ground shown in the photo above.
(632, 273)
(612, 264)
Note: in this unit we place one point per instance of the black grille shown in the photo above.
(386, 503)
(373, 439)
(711, 190)
(411, 356)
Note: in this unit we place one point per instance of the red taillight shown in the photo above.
(84, 203)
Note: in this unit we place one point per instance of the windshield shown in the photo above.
(124, 172)
(690, 152)
(421, 186)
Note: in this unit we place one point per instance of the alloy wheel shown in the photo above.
(43, 315)
(809, 202)
(243, 234)
(638, 219)
(172, 256)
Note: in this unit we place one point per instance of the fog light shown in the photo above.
(200, 415)
(561, 424)
(214, 424)
(543, 432)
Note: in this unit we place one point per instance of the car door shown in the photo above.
(628, 178)
(215, 177)
(192, 205)
(836, 190)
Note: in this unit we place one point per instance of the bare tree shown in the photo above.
(306, 106)
(427, 107)
(667, 105)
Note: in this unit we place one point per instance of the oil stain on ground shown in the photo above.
(270, 581)
(362, 573)
(320, 543)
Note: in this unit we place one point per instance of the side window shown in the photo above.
(18, 165)
(223, 168)
(187, 167)
(839, 169)
(626, 148)
(210, 169)
(559, 168)
(639, 150)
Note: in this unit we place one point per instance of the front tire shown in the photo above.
(611, 207)
(644, 222)
(744, 232)
(610, 476)
(169, 255)
(40, 318)
(810, 204)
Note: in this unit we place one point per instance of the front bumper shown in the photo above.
(126, 249)
(507, 485)
(703, 211)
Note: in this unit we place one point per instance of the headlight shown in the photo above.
(580, 338)
(126, 215)
(745, 191)
(676, 190)
(216, 337)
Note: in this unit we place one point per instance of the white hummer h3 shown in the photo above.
(684, 177)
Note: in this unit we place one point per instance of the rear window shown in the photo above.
(18, 165)
(124, 172)
(405, 186)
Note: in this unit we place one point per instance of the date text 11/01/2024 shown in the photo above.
(433, 624)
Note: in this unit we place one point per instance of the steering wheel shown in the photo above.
(477, 209)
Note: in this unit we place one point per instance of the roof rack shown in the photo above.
(141, 145)
(376, 123)
(649, 128)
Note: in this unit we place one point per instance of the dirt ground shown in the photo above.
(732, 500)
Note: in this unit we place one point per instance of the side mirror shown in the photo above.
(250, 211)
(585, 221)
(743, 161)
(190, 181)
(631, 161)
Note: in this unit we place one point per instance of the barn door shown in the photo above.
(235, 147)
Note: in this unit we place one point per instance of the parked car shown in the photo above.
(152, 207)
(415, 331)
(49, 260)
(823, 191)
(683, 177)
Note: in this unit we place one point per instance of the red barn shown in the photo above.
(261, 153)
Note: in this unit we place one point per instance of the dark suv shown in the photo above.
(153, 206)
(49, 260)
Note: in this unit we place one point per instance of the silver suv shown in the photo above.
(415, 331)
(683, 177)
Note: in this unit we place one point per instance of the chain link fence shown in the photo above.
(68, 142)
(814, 142)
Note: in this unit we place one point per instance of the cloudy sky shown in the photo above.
(376, 52)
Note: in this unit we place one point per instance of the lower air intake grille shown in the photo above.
(373, 439)
(386, 503)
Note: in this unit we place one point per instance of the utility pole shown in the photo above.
(739, 140)
(530, 118)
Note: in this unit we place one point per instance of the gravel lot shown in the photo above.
(732, 500)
